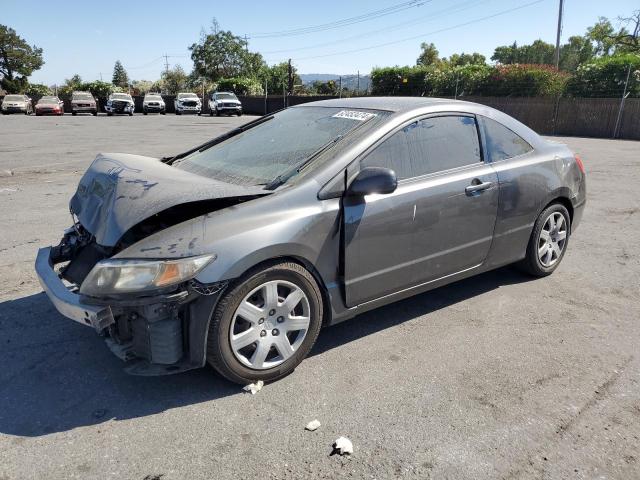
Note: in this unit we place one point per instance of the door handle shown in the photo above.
(477, 187)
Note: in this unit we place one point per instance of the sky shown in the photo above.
(88, 37)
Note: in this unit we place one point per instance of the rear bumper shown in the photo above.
(77, 109)
(66, 301)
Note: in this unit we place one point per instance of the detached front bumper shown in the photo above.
(64, 298)
(158, 335)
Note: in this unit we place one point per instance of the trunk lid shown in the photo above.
(119, 191)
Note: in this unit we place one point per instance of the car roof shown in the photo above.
(402, 107)
(391, 104)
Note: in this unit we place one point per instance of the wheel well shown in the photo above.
(564, 201)
(308, 266)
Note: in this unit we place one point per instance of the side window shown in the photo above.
(427, 146)
(503, 143)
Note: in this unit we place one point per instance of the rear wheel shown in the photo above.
(548, 242)
(266, 324)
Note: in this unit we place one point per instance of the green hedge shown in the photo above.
(447, 81)
(240, 86)
(605, 77)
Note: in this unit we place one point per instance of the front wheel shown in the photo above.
(548, 242)
(266, 324)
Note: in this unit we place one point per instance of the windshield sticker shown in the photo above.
(354, 115)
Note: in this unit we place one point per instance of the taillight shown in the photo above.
(580, 164)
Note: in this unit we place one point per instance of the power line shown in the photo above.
(371, 47)
(461, 7)
(344, 22)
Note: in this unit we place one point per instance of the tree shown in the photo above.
(460, 59)
(277, 77)
(174, 80)
(221, 54)
(429, 55)
(602, 35)
(628, 41)
(120, 77)
(140, 87)
(70, 85)
(575, 52)
(18, 60)
(539, 52)
(37, 90)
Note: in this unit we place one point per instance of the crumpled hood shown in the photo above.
(119, 190)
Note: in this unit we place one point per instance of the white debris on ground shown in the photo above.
(254, 387)
(343, 446)
(312, 425)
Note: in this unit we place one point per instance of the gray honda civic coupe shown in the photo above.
(236, 252)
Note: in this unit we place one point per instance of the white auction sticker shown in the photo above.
(354, 115)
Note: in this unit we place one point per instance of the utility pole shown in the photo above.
(340, 91)
(290, 78)
(246, 43)
(616, 130)
(100, 76)
(560, 8)
(266, 94)
(166, 63)
(358, 87)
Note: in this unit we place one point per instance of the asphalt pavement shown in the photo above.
(498, 376)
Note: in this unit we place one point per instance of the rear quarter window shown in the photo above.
(501, 142)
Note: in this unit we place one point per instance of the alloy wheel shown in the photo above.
(552, 239)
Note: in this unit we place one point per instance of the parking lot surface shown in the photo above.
(497, 376)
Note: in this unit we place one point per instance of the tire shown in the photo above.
(178, 112)
(211, 113)
(131, 114)
(542, 258)
(220, 354)
(217, 112)
(110, 114)
(95, 114)
(145, 112)
(239, 114)
(74, 113)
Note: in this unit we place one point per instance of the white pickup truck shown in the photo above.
(224, 102)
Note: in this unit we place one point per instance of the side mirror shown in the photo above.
(373, 180)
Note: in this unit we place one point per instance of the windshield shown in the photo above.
(276, 147)
(187, 95)
(120, 96)
(153, 97)
(48, 100)
(14, 98)
(82, 96)
(226, 96)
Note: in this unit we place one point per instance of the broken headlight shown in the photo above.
(114, 276)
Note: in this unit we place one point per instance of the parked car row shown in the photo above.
(122, 103)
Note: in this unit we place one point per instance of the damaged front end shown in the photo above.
(156, 331)
(153, 313)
